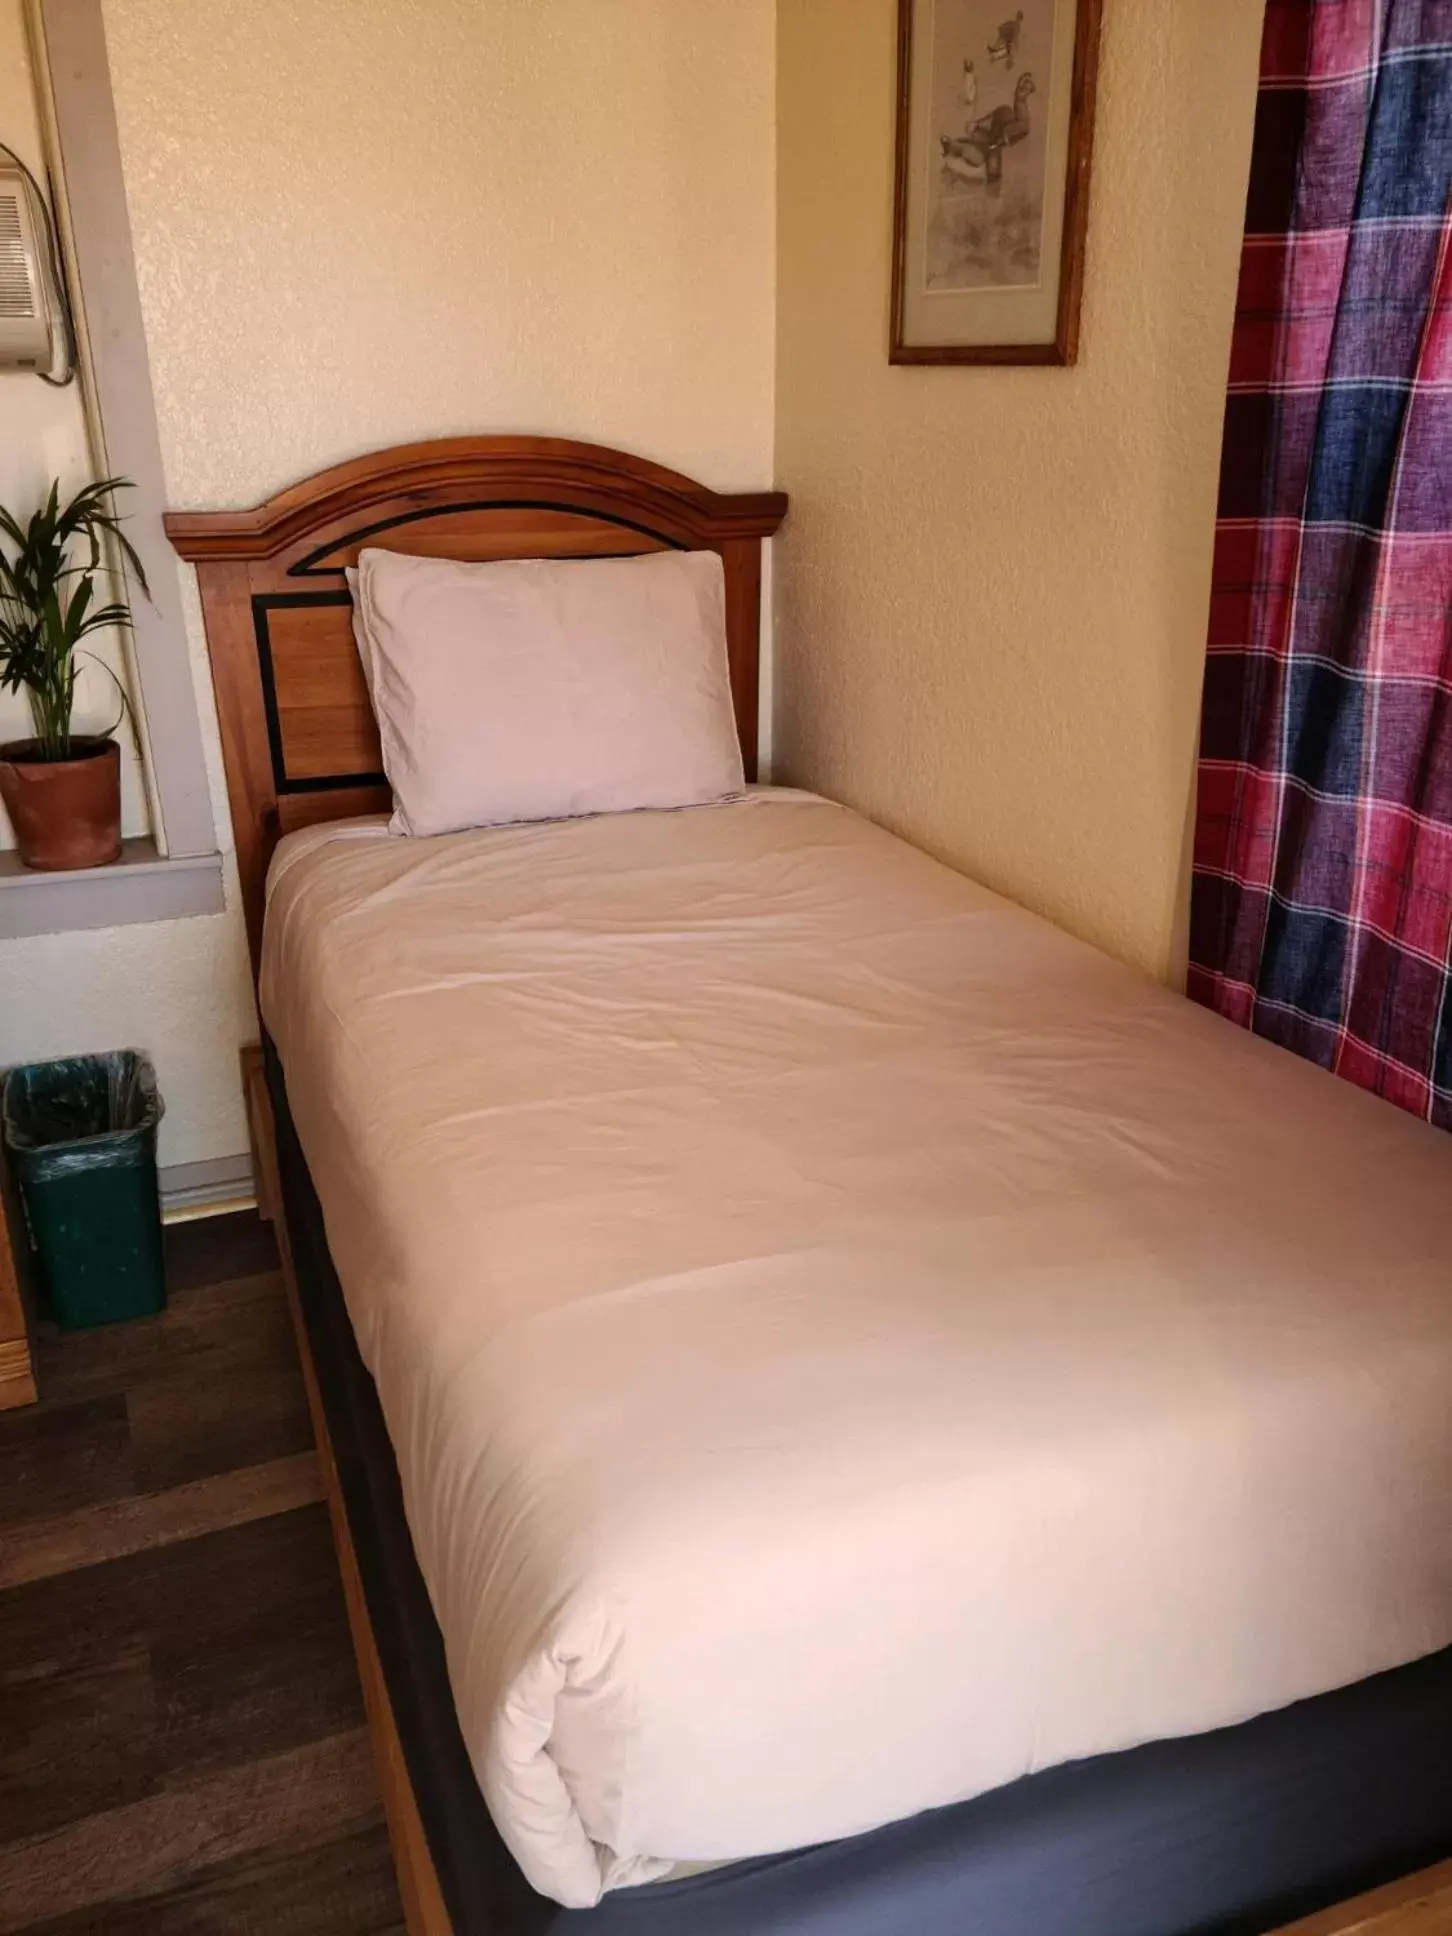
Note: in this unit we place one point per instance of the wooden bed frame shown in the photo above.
(300, 745)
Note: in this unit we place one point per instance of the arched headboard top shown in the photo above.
(616, 486)
(298, 735)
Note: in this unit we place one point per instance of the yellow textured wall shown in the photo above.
(359, 222)
(992, 590)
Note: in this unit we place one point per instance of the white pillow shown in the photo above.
(535, 689)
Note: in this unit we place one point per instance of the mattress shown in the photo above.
(846, 1345)
(1223, 1834)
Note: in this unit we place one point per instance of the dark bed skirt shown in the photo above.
(1222, 1834)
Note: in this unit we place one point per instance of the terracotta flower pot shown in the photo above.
(66, 813)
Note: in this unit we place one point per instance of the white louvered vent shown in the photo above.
(24, 325)
(18, 294)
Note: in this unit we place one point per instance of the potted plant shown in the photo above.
(61, 789)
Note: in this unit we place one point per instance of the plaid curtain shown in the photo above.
(1322, 902)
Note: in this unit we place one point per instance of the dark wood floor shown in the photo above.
(182, 1742)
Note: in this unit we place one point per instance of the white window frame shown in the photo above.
(177, 871)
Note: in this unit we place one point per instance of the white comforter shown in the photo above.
(846, 1344)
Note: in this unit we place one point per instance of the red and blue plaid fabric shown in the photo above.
(1322, 903)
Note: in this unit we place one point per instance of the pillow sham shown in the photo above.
(537, 689)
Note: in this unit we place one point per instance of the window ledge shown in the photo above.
(141, 886)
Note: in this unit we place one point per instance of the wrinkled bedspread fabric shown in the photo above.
(846, 1344)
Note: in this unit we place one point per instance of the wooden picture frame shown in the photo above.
(991, 179)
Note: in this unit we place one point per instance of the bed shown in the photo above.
(846, 1410)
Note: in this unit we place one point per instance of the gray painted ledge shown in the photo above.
(141, 886)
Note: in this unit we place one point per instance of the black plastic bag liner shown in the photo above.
(81, 1113)
(81, 1136)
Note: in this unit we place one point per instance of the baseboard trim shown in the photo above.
(206, 1189)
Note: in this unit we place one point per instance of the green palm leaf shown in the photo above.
(50, 568)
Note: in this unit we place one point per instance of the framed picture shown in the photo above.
(995, 124)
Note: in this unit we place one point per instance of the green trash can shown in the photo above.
(81, 1135)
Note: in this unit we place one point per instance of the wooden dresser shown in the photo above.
(17, 1377)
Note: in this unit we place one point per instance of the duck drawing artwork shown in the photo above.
(978, 154)
(989, 142)
(1005, 48)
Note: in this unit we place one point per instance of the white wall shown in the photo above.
(993, 587)
(361, 222)
(43, 437)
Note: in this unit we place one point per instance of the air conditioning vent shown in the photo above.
(18, 294)
(25, 341)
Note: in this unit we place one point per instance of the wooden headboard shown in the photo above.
(298, 734)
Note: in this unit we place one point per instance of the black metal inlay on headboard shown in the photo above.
(262, 604)
(308, 567)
